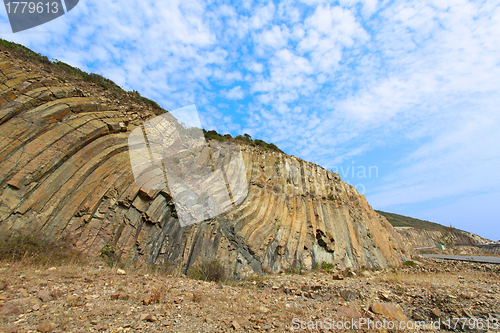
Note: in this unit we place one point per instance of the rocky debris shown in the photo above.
(346, 312)
(235, 325)
(434, 290)
(46, 327)
(147, 317)
(70, 176)
(45, 295)
(389, 311)
(10, 308)
(348, 295)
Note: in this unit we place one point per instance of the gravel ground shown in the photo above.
(94, 297)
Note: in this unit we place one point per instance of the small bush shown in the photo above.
(326, 266)
(213, 135)
(409, 263)
(156, 296)
(208, 271)
(109, 254)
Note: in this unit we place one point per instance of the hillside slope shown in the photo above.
(421, 233)
(65, 173)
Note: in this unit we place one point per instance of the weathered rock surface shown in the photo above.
(65, 172)
(423, 237)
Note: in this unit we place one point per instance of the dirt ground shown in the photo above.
(98, 298)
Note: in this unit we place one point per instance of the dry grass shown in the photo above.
(33, 250)
(198, 297)
(444, 279)
(157, 295)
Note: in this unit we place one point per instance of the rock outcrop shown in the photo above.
(65, 172)
(426, 238)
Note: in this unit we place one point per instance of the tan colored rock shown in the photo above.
(263, 309)
(10, 308)
(46, 327)
(147, 317)
(347, 312)
(44, 295)
(389, 311)
(235, 325)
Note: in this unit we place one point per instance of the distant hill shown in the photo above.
(405, 221)
(425, 233)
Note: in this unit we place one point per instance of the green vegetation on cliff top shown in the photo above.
(405, 221)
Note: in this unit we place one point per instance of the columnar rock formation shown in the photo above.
(65, 172)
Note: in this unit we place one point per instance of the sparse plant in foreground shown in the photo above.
(157, 295)
(327, 266)
(296, 268)
(409, 263)
(211, 270)
(109, 254)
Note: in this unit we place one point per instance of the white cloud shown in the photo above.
(235, 93)
(329, 83)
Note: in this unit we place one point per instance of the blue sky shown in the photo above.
(408, 88)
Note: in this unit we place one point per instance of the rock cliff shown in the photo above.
(65, 173)
(423, 237)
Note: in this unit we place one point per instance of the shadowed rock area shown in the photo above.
(65, 172)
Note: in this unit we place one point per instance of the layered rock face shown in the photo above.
(424, 238)
(65, 172)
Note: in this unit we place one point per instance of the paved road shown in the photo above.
(488, 260)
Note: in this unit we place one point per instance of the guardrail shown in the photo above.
(490, 248)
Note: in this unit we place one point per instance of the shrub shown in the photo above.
(211, 270)
(213, 135)
(109, 254)
(409, 263)
(327, 266)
